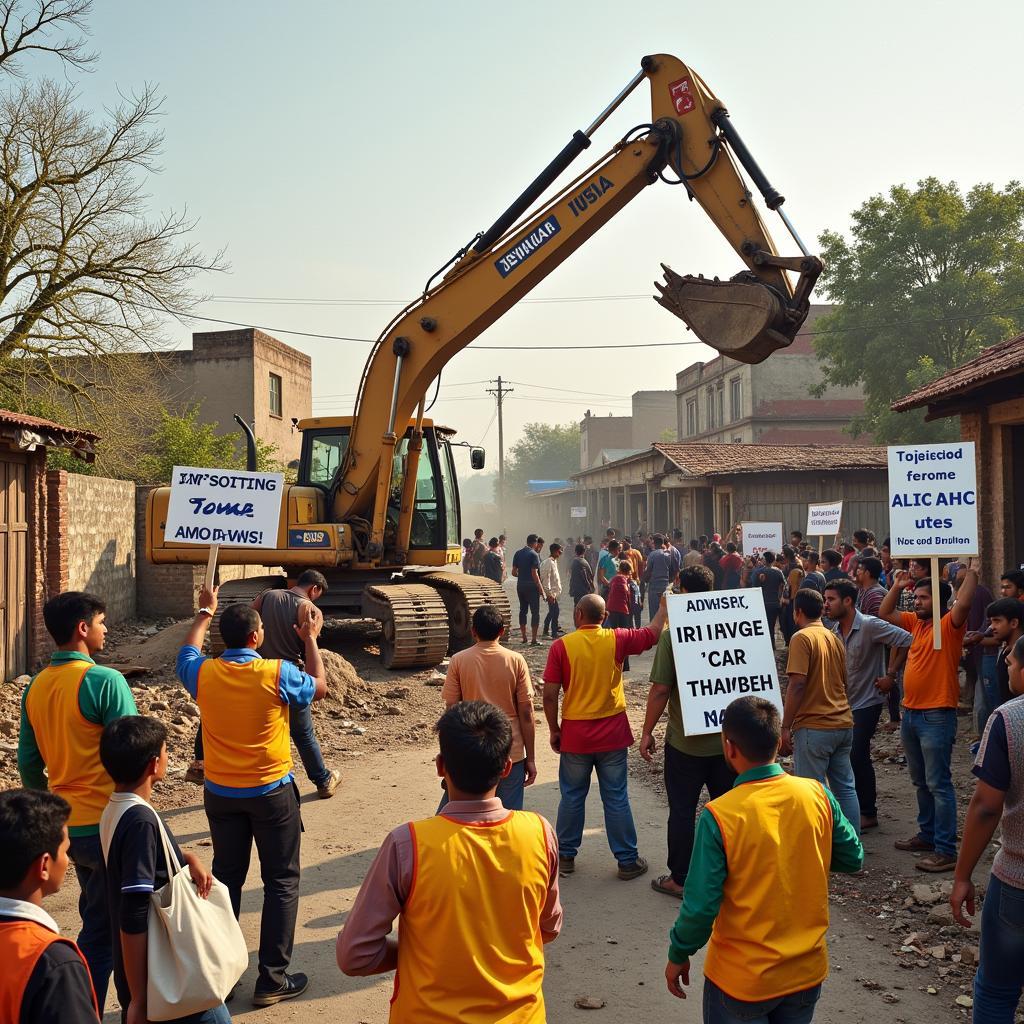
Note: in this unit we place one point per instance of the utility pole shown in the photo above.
(499, 393)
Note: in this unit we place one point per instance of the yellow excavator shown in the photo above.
(376, 505)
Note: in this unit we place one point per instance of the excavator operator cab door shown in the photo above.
(435, 517)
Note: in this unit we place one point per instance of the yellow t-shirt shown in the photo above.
(818, 654)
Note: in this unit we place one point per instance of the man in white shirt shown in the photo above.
(552, 584)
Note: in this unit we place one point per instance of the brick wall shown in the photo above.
(39, 643)
(99, 519)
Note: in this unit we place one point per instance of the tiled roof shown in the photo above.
(1000, 360)
(18, 419)
(727, 459)
(818, 408)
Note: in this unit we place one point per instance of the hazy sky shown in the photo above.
(342, 152)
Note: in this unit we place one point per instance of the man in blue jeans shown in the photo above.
(817, 724)
(931, 692)
(998, 795)
(594, 734)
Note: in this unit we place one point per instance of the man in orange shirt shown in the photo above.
(931, 692)
(475, 888)
(492, 673)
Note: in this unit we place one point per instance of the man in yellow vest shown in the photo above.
(758, 882)
(250, 791)
(63, 712)
(44, 979)
(475, 888)
(594, 734)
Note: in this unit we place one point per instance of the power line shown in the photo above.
(267, 300)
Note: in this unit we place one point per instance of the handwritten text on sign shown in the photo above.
(824, 520)
(722, 650)
(933, 500)
(756, 538)
(221, 506)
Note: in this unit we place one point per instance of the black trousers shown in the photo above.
(551, 619)
(529, 601)
(274, 822)
(685, 777)
(865, 721)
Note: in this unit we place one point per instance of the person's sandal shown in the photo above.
(658, 885)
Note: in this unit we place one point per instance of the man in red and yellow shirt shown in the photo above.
(45, 979)
(475, 889)
(594, 733)
(931, 692)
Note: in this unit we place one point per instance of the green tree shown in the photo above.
(546, 451)
(181, 440)
(929, 277)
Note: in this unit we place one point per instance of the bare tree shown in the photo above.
(83, 271)
(55, 27)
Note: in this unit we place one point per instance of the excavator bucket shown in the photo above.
(742, 318)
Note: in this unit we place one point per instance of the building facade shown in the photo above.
(729, 402)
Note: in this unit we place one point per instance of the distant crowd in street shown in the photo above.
(476, 884)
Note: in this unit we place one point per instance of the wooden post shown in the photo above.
(936, 606)
(211, 566)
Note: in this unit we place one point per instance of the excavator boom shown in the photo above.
(691, 143)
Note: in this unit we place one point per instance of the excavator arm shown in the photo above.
(690, 142)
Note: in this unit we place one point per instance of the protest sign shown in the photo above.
(756, 538)
(228, 507)
(578, 512)
(823, 520)
(722, 650)
(933, 508)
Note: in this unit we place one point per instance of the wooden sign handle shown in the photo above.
(936, 606)
(211, 565)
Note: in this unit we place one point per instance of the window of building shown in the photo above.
(691, 417)
(720, 398)
(711, 408)
(275, 394)
(736, 399)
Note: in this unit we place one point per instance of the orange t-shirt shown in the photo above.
(932, 677)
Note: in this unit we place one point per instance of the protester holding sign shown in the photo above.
(817, 725)
(250, 789)
(758, 882)
(931, 692)
(691, 762)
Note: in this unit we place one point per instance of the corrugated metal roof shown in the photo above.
(999, 360)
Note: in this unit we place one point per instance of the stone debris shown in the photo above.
(938, 952)
(925, 895)
(589, 1003)
(965, 1001)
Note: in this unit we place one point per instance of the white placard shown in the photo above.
(722, 650)
(823, 520)
(756, 538)
(932, 500)
(578, 512)
(230, 507)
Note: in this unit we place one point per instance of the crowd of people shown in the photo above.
(749, 871)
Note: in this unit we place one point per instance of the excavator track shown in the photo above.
(414, 623)
(462, 595)
(237, 592)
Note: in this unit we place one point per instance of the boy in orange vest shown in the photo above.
(63, 712)
(758, 882)
(45, 979)
(476, 889)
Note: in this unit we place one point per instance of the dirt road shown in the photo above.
(614, 941)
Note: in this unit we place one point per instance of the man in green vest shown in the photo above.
(757, 885)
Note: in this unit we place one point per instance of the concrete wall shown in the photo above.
(654, 412)
(98, 516)
(295, 370)
(597, 432)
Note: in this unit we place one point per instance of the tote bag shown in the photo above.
(196, 948)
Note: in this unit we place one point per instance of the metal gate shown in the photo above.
(13, 566)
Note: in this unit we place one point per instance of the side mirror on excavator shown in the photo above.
(477, 458)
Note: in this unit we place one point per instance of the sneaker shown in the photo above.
(195, 773)
(294, 985)
(329, 788)
(936, 862)
(914, 845)
(566, 865)
(634, 870)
